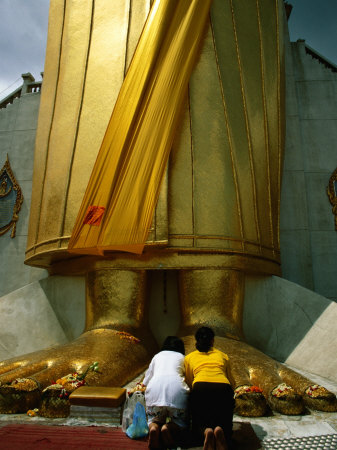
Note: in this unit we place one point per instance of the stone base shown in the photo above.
(100, 404)
(101, 415)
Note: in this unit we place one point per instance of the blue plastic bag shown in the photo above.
(129, 408)
(139, 427)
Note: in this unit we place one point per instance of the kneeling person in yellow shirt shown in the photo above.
(212, 397)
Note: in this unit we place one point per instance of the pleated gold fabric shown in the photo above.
(227, 160)
(123, 189)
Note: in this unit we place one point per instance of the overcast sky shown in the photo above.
(23, 34)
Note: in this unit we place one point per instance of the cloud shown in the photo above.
(23, 36)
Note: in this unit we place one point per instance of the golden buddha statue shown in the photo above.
(217, 211)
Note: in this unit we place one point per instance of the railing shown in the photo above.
(34, 87)
(314, 54)
(29, 86)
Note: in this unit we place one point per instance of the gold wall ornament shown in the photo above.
(332, 194)
(11, 199)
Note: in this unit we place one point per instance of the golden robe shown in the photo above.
(219, 200)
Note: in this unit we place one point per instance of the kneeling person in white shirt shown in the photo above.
(166, 394)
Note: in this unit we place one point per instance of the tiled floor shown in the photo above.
(249, 433)
(328, 441)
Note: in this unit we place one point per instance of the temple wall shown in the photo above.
(50, 311)
(308, 235)
(291, 324)
(18, 123)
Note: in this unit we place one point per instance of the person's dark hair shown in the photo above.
(204, 339)
(174, 344)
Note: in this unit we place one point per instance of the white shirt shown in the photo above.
(165, 382)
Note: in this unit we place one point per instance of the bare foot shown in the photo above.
(121, 357)
(167, 437)
(154, 434)
(220, 440)
(170, 433)
(267, 382)
(209, 439)
(215, 298)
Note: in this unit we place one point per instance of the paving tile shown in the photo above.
(324, 442)
(299, 429)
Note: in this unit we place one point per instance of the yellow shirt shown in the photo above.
(208, 366)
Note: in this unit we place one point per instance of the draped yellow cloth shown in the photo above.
(118, 205)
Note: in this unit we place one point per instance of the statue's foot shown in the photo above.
(120, 356)
(260, 382)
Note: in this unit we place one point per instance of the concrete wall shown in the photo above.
(17, 137)
(291, 324)
(308, 235)
(44, 313)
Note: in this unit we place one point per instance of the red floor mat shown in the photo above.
(28, 437)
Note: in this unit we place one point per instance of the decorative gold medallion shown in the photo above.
(11, 199)
(332, 194)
